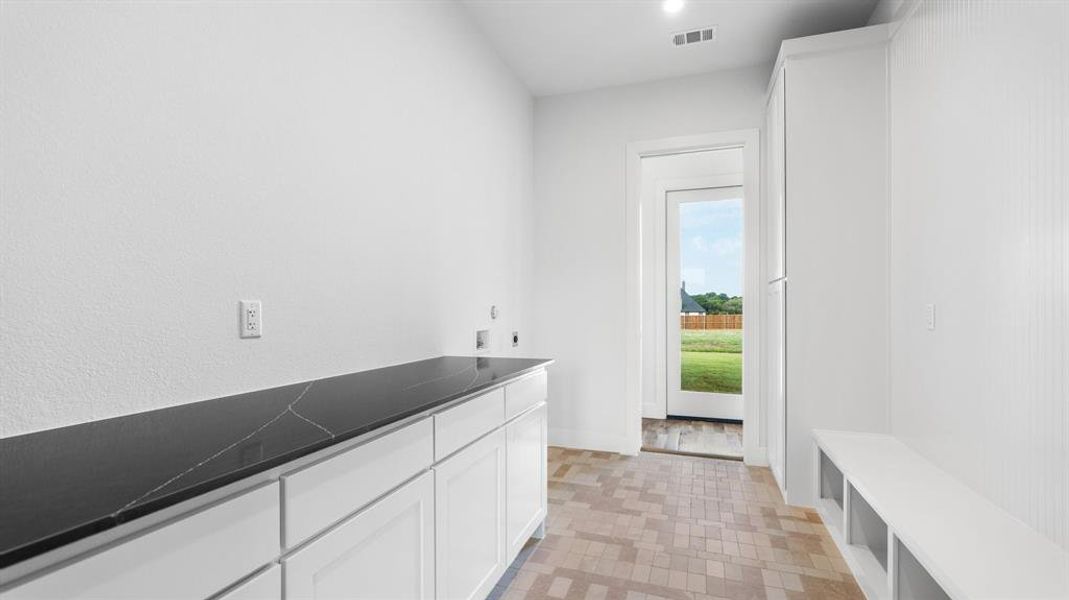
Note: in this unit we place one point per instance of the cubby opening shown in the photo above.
(867, 529)
(913, 581)
(830, 493)
(831, 481)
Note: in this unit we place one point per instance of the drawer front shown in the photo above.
(264, 586)
(326, 492)
(525, 393)
(462, 424)
(192, 557)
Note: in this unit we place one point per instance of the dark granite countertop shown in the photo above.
(61, 485)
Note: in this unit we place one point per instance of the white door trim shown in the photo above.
(749, 141)
(661, 273)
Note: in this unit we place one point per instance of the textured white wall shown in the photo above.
(364, 169)
(580, 267)
(980, 227)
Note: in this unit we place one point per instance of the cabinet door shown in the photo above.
(526, 453)
(776, 383)
(469, 491)
(777, 185)
(385, 552)
(264, 586)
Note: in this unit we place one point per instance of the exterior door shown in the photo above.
(704, 250)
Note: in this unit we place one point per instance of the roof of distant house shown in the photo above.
(689, 305)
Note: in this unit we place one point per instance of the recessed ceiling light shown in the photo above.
(672, 6)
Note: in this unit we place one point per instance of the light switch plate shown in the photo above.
(250, 319)
(929, 316)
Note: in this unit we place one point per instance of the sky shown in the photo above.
(710, 246)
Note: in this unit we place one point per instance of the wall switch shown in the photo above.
(251, 319)
(515, 338)
(929, 316)
(482, 340)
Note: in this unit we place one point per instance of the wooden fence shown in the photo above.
(710, 321)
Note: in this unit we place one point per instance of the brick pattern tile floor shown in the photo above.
(659, 526)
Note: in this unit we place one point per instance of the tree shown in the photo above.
(719, 304)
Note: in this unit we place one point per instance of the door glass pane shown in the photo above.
(710, 288)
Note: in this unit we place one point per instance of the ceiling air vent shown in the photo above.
(684, 38)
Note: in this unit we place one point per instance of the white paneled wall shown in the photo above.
(980, 228)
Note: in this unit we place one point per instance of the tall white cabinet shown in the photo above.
(827, 247)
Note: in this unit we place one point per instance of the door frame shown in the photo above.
(749, 141)
(661, 273)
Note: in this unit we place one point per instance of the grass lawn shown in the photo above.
(711, 340)
(712, 360)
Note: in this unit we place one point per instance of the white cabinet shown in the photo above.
(525, 393)
(776, 386)
(827, 237)
(526, 449)
(383, 552)
(263, 586)
(470, 527)
(458, 426)
(380, 520)
(194, 556)
(776, 231)
(327, 491)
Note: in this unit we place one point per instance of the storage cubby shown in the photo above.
(913, 581)
(867, 529)
(830, 485)
(831, 481)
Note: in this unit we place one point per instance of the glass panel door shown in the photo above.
(704, 281)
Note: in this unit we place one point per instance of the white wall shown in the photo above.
(980, 227)
(364, 169)
(580, 268)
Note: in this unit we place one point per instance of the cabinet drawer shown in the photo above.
(463, 423)
(325, 492)
(192, 557)
(524, 394)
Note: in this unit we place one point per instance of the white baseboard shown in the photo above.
(590, 440)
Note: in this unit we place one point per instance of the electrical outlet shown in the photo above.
(493, 312)
(250, 319)
(929, 316)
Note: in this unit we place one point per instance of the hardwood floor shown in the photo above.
(702, 438)
(664, 527)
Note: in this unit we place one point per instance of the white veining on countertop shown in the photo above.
(289, 409)
(448, 376)
(311, 422)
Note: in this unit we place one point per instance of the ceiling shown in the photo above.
(561, 46)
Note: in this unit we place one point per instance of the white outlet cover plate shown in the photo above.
(251, 319)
